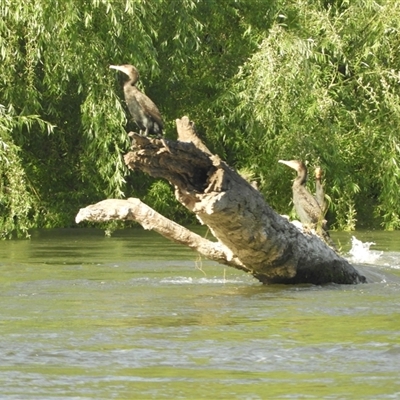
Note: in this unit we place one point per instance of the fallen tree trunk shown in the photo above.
(250, 235)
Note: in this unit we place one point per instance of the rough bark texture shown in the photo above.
(251, 236)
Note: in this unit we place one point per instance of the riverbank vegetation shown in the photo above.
(264, 81)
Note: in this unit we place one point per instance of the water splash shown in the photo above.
(360, 252)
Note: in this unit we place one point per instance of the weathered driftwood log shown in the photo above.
(251, 235)
(135, 210)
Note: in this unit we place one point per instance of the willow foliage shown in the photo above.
(263, 80)
(18, 205)
(323, 86)
(55, 57)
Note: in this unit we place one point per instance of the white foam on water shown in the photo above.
(360, 252)
(183, 280)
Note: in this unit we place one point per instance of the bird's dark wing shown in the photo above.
(149, 108)
(306, 206)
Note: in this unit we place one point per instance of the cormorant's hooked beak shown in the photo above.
(298, 166)
(290, 164)
(128, 70)
(123, 68)
(119, 68)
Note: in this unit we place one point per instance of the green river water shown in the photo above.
(84, 316)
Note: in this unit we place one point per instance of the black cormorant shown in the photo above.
(305, 204)
(143, 110)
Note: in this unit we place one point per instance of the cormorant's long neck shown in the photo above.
(132, 80)
(301, 177)
(129, 84)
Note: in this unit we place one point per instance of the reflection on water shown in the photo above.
(136, 317)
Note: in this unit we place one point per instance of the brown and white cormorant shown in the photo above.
(319, 190)
(309, 208)
(144, 112)
(305, 204)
